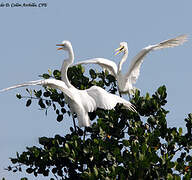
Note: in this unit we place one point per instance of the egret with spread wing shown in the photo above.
(126, 81)
(80, 101)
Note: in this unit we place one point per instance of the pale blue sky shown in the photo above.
(27, 45)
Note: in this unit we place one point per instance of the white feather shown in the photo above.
(80, 101)
(125, 82)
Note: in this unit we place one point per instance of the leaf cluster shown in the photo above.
(119, 145)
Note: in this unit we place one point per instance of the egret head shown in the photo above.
(65, 45)
(123, 48)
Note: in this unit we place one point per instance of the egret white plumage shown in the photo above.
(126, 81)
(80, 101)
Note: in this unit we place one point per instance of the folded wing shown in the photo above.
(107, 100)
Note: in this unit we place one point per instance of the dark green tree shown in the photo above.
(119, 145)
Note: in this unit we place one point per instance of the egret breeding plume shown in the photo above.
(126, 81)
(80, 101)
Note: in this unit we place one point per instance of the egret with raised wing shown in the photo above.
(126, 81)
(80, 101)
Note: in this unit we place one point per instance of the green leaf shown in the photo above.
(41, 104)
(38, 93)
(46, 76)
(177, 177)
(169, 176)
(92, 73)
(190, 115)
(43, 140)
(188, 158)
(116, 151)
(18, 96)
(67, 149)
(29, 91)
(57, 74)
(48, 102)
(28, 103)
(111, 78)
(24, 178)
(54, 106)
(46, 173)
(59, 117)
(14, 161)
(29, 170)
(63, 110)
(46, 94)
(141, 156)
(147, 97)
(86, 150)
(54, 170)
(95, 171)
(180, 131)
(126, 143)
(57, 111)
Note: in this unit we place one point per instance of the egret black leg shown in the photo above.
(84, 134)
(74, 124)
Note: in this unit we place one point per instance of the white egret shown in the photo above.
(80, 101)
(126, 81)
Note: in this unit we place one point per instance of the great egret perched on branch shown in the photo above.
(126, 81)
(80, 101)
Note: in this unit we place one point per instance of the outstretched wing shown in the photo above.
(52, 83)
(134, 69)
(104, 63)
(107, 100)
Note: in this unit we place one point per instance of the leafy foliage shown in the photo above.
(119, 145)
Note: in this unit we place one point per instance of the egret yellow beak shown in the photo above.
(119, 50)
(60, 48)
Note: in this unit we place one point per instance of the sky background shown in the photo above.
(95, 29)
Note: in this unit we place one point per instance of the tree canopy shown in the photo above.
(120, 144)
